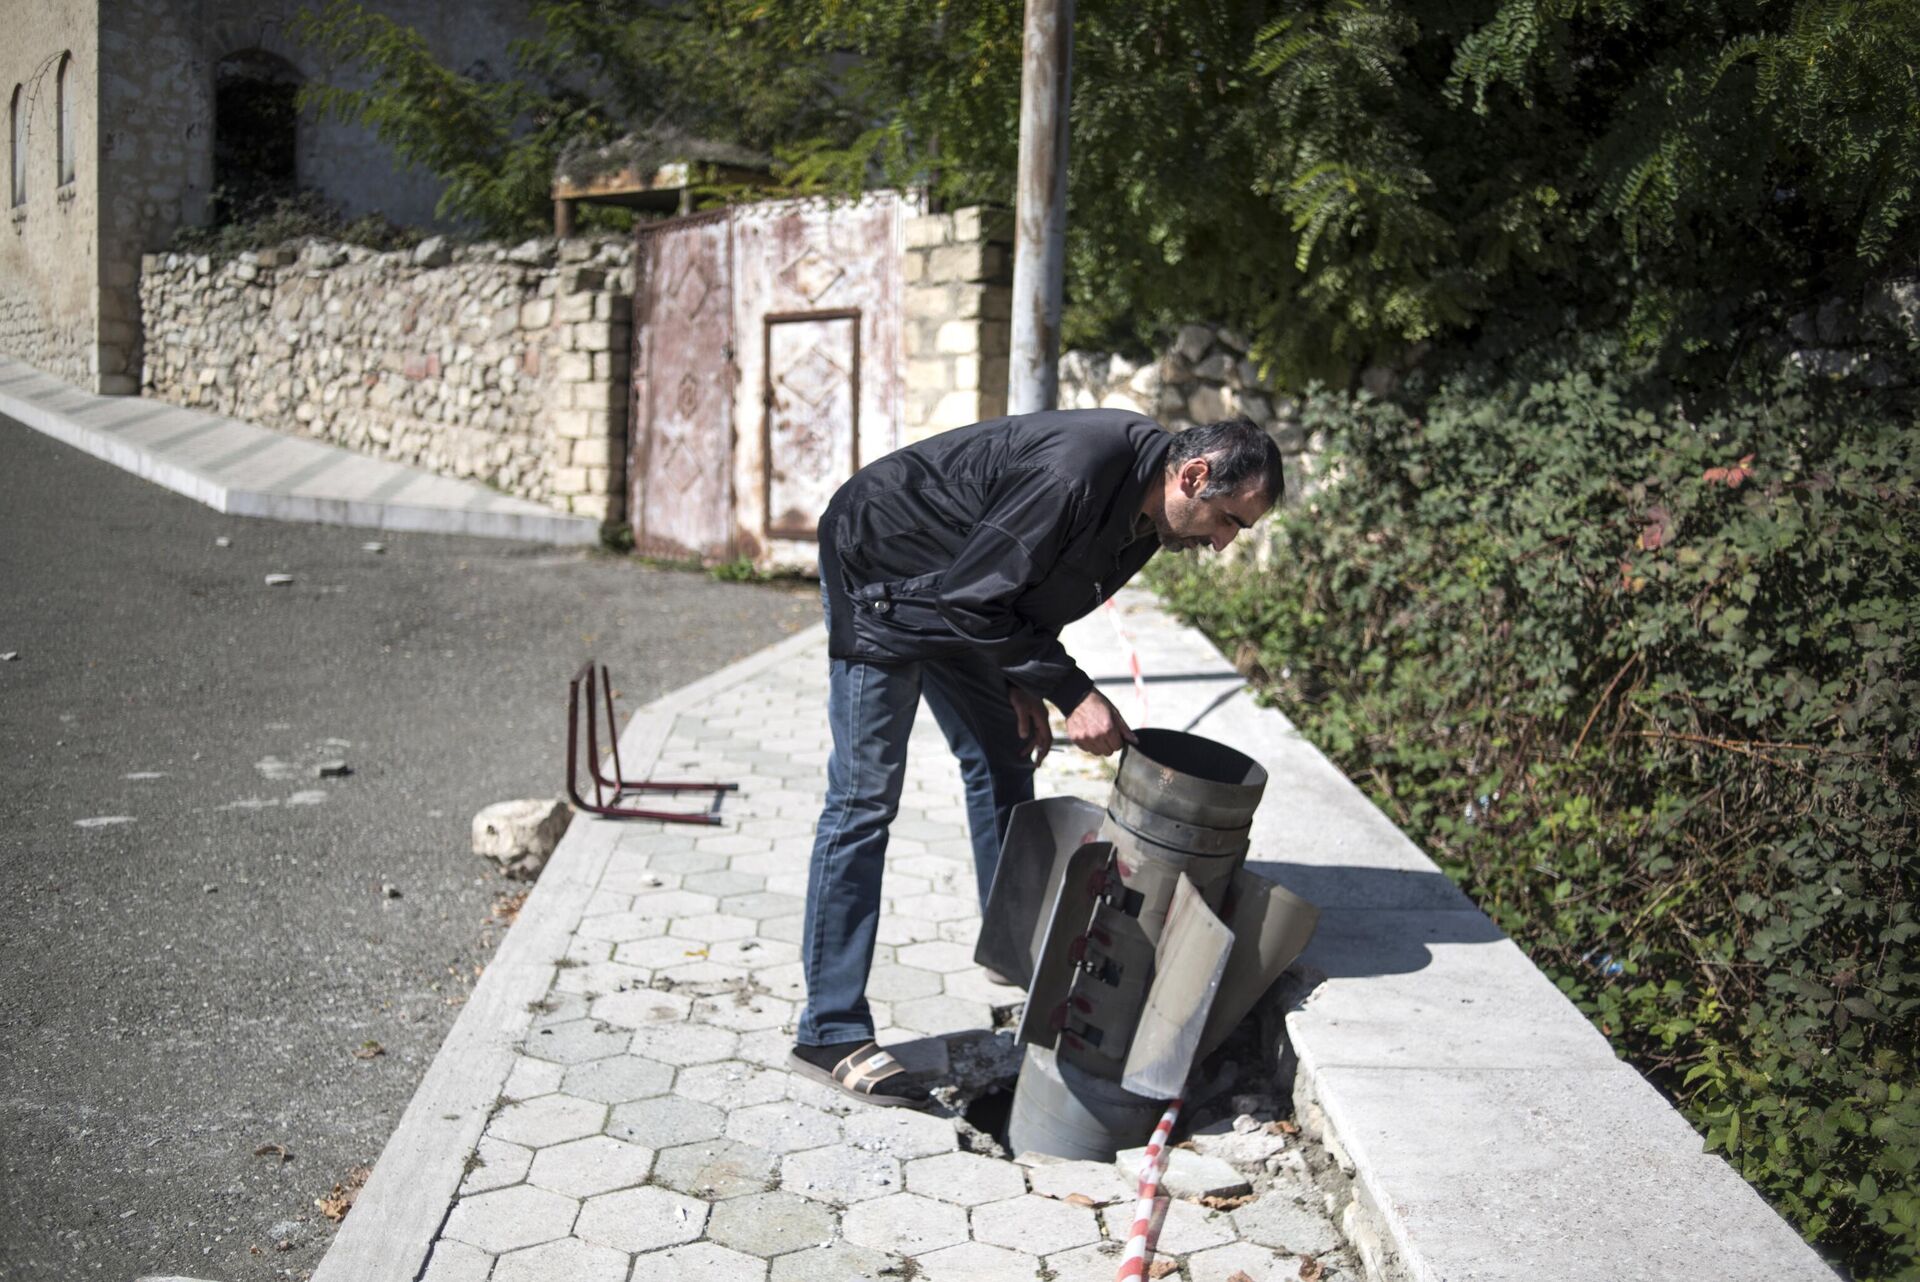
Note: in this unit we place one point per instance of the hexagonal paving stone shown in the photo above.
(936, 907)
(729, 881)
(621, 927)
(511, 1218)
(907, 931)
(640, 1008)
(1241, 1259)
(978, 1262)
(770, 1224)
(530, 1077)
(942, 1015)
(936, 956)
(786, 1127)
(551, 1119)
(731, 1084)
(733, 843)
(1276, 1220)
(617, 1080)
(639, 880)
(756, 953)
(712, 927)
(965, 1179)
(641, 1219)
(599, 978)
(1096, 1181)
(596, 1164)
(675, 904)
(838, 1262)
(606, 901)
(762, 904)
(713, 1169)
(788, 982)
(656, 954)
(905, 1224)
(577, 1041)
(685, 1044)
(840, 1173)
(704, 976)
(494, 1165)
(701, 1262)
(900, 983)
(974, 986)
(1036, 1223)
(788, 929)
(1184, 1227)
(788, 883)
(1096, 1263)
(571, 1259)
(688, 863)
(457, 1262)
(665, 1122)
(964, 931)
(901, 1132)
(743, 1013)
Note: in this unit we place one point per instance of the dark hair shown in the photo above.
(1238, 452)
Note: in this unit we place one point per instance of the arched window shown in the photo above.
(63, 117)
(17, 120)
(253, 132)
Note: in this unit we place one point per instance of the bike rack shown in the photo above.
(592, 680)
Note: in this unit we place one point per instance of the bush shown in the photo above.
(301, 215)
(1644, 682)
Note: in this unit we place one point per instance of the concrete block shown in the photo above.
(574, 367)
(957, 264)
(1098, 1182)
(928, 230)
(913, 267)
(957, 337)
(571, 308)
(841, 1173)
(596, 336)
(536, 313)
(643, 1219)
(905, 1224)
(511, 1218)
(578, 425)
(1187, 1174)
(598, 395)
(601, 452)
(1033, 1223)
(570, 480)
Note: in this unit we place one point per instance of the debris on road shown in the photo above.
(335, 769)
(9, 656)
(389, 891)
(376, 548)
(369, 1050)
(280, 1151)
(279, 580)
(222, 541)
(521, 835)
(337, 1203)
(103, 821)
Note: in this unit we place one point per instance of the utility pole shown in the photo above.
(1040, 212)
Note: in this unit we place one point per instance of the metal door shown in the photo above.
(811, 441)
(684, 382)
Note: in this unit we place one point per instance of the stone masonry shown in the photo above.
(507, 365)
(957, 270)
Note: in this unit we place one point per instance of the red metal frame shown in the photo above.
(591, 678)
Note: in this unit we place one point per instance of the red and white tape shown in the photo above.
(1133, 1264)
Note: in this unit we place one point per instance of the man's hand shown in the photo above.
(1030, 716)
(1096, 726)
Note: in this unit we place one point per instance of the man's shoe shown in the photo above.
(862, 1070)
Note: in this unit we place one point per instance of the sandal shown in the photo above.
(863, 1070)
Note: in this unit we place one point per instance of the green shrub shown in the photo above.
(1644, 682)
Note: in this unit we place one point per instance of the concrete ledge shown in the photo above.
(1490, 1131)
(399, 1213)
(248, 470)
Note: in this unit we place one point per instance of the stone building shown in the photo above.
(129, 119)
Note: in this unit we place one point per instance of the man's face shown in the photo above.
(1190, 521)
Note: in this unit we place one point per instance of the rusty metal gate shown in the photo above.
(767, 368)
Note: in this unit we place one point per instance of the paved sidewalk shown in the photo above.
(248, 470)
(615, 1103)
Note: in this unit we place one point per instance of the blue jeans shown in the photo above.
(871, 707)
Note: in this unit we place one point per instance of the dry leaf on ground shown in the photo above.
(1214, 1202)
(1283, 1127)
(280, 1151)
(506, 908)
(1161, 1268)
(1239, 1275)
(1311, 1269)
(337, 1203)
(1079, 1199)
(369, 1050)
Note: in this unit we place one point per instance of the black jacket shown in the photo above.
(991, 538)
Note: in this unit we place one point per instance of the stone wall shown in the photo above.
(1203, 376)
(49, 271)
(507, 365)
(957, 295)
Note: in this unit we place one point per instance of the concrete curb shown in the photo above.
(399, 1213)
(1489, 1129)
(121, 430)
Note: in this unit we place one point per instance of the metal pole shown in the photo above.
(1040, 223)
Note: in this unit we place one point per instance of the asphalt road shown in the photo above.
(196, 938)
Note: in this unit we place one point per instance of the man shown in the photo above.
(948, 569)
